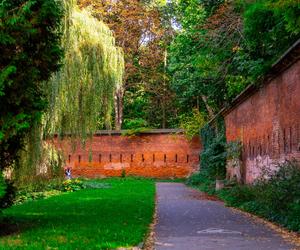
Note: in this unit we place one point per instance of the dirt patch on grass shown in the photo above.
(14, 242)
(62, 239)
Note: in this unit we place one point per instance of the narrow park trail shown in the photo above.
(188, 220)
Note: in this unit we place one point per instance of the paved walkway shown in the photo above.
(189, 221)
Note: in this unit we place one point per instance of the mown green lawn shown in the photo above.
(88, 219)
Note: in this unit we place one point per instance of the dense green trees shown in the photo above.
(225, 45)
(233, 44)
(217, 49)
(270, 27)
(30, 51)
(138, 30)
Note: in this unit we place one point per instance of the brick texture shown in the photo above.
(268, 123)
(146, 155)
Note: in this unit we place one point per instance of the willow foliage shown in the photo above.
(82, 92)
(80, 95)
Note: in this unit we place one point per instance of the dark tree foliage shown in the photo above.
(270, 27)
(30, 51)
(223, 46)
(9, 194)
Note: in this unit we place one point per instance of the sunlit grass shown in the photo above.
(103, 218)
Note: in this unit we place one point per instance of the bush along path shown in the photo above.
(275, 195)
(189, 219)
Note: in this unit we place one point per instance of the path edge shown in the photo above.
(287, 235)
(150, 238)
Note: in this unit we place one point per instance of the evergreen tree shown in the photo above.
(30, 50)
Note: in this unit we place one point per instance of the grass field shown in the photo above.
(88, 219)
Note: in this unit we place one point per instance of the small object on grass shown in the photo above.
(68, 173)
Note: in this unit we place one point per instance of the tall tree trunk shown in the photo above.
(163, 113)
(210, 111)
(118, 103)
(164, 90)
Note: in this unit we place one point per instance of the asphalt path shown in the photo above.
(189, 220)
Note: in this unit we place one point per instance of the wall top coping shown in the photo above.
(147, 131)
(290, 57)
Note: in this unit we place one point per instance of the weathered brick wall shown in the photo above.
(268, 123)
(148, 155)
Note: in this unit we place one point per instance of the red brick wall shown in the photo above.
(268, 123)
(147, 155)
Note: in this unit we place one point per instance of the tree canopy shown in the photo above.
(138, 29)
(223, 46)
(30, 51)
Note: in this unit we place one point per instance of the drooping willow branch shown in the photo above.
(82, 91)
(81, 94)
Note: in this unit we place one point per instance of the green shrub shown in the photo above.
(40, 184)
(45, 188)
(72, 185)
(237, 195)
(135, 123)
(9, 194)
(134, 132)
(135, 127)
(213, 157)
(202, 181)
(24, 196)
(2, 186)
(39, 189)
(276, 198)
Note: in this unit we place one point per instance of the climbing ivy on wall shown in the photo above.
(213, 155)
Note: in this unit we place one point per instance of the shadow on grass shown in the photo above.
(10, 226)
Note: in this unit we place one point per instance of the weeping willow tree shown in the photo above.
(80, 95)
